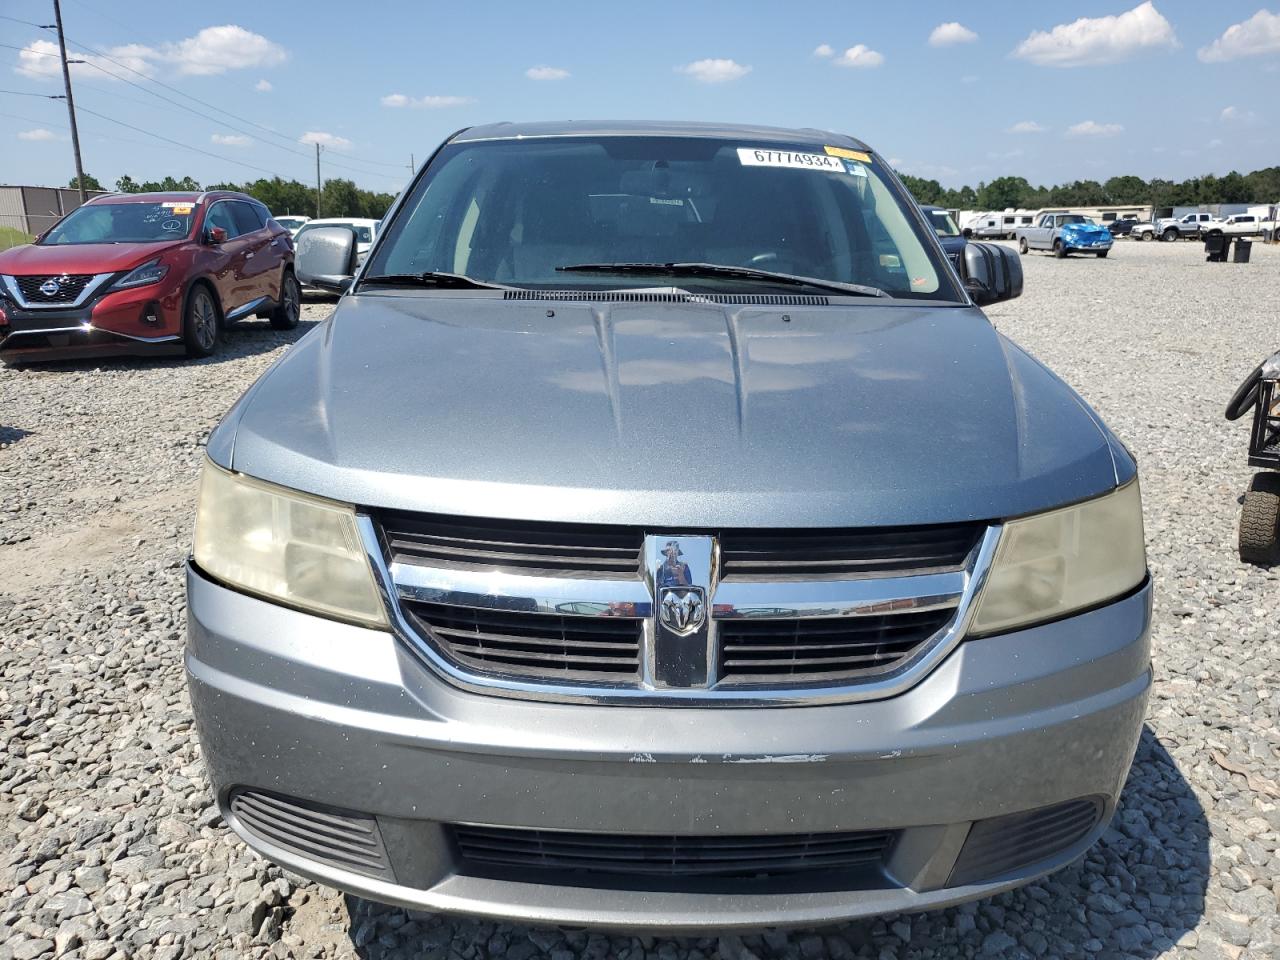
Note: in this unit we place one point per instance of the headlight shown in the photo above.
(1054, 563)
(284, 546)
(153, 271)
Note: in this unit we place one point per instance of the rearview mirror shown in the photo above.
(326, 258)
(992, 273)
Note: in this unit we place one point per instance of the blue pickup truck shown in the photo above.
(1065, 233)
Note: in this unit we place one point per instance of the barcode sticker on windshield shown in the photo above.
(751, 157)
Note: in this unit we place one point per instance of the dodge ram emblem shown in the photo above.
(682, 609)
(50, 287)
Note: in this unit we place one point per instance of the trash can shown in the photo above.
(1242, 251)
(1215, 245)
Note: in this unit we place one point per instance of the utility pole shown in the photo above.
(317, 181)
(413, 167)
(71, 104)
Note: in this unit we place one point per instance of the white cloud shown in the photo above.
(1236, 115)
(1258, 35)
(230, 140)
(263, 86)
(546, 73)
(39, 133)
(212, 51)
(860, 56)
(1089, 41)
(1089, 128)
(714, 70)
(216, 50)
(824, 50)
(325, 139)
(1215, 142)
(1027, 126)
(40, 60)
(949, 34)
(423, 103)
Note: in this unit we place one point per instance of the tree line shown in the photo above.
(1260, 186)
(338, 198)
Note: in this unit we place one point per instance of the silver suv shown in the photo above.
(659, 535)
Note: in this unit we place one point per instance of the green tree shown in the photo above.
(340, 198)
(1127, 189)
(924, 191)
(127, 184)
(1003, 192)
(90, 182)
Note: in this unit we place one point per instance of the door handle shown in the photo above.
(275, 242)
(249, 255)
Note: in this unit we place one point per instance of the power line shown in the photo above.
(192, 110)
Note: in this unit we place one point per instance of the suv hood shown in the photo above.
(79, 257)
(672, 414)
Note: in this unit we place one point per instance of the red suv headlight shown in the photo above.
(153, 271)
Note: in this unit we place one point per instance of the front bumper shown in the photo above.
(294, 705)
(112, 323)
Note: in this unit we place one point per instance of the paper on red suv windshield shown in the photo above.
(754, 157)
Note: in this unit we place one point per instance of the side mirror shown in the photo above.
(214, 236)
(967, 233)
(326, 258)
(992, 273)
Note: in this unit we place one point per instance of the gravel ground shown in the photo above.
(111, 846)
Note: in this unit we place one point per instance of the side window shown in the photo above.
(247, 217)
(220, 216)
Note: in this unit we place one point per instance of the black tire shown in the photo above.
(1102, 254)
(201, 322)
(1246, 395)
(1022, 246)
(1170, 235)
(1146, 235)
(1059, 250)
(289, 306)
(1260, 520)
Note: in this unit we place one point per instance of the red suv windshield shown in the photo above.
(124, 223)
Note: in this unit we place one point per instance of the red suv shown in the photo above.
(138, 272)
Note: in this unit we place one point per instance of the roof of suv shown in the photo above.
(169, 196)
(726, 131)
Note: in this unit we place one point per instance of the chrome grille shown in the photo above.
(823, 648)
(69, 288)
(533, 644)
(633, 855)
(624, 614)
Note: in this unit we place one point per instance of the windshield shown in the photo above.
(515, 212)
(943, 225)
(124, 223)
(1072, 218)
(289, 223)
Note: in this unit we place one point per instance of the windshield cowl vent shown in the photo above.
(625, 296)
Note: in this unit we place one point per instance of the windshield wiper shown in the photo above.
(434, 278)
(724, 270)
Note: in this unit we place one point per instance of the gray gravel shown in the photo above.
(109, 844)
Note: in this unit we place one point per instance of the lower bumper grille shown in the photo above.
(1001, 845)
(338, 838)
(671, 857)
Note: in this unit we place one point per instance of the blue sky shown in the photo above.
(1152, 89)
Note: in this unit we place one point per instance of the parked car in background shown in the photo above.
(597, 561)
(1122, 227)
(1065, 233)
(1238, 225)
(1142, 230)
(291, 223)
(1186, 227)
(128, 273)
(953, 242)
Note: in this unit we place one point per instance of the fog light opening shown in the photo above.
(151, 314)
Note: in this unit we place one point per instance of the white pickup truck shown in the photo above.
(1238, 225)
